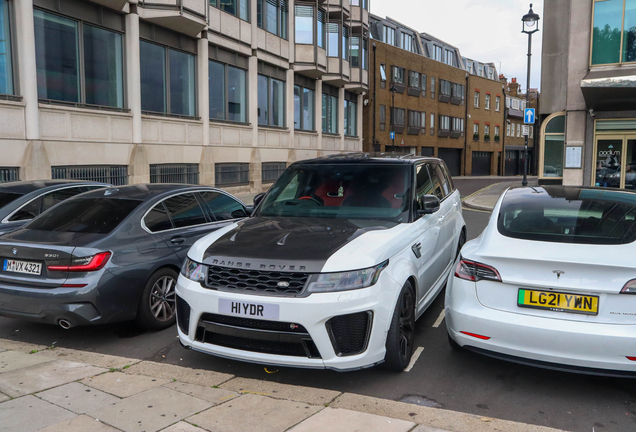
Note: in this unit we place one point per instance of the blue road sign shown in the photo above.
(392, 135)
(528, 116)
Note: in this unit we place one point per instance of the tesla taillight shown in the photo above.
(84, 264)
(475, 335)
(474, 271)
(630, 287)
(631, 358)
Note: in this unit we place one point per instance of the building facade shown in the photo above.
(215, 92)
(419, 92)
(515, 122)
(588, 89)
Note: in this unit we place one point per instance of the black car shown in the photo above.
(109, 255)
(22, 201)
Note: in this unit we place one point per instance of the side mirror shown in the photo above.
(237, 214)
(428, 204)
(249, 209)
(258, 198)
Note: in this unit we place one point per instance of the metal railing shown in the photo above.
(114, 174)
(232, 174)
(9, 174)
(272, 171)
(175, 173)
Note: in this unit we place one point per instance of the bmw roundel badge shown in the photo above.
(15, 251)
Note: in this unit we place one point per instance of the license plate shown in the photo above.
(249, 310)
(22, 267)
(558, 302)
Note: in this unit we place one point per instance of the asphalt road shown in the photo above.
(441, 377)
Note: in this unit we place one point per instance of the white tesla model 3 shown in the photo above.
(551, 281)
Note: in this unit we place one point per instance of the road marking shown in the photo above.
(479, 191)
(416, 355)
(440, 319)
(474, 210)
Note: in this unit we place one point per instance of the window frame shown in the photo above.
(328, 107)
(270, 102)
(186, 174)
(622, 39)
(214, 4)
(313, 108)
(348, 104)
(282, 14)
(280, 166)
(477, 99)
(487, 102)
(241, 170)
(497, 103)
(12, 78)
(226, 101)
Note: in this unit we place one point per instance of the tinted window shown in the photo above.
(222, 206)
(85, 215)
(562, 215)
(56, 197)
(185, 210)
(438, 190)
(48, 200)
(6, 198)
(424, 183)
(157, 219)
(439, 172)
(28, 211)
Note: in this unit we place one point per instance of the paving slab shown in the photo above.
(150, 411)
(12, 360)
(23, 347)
(431, 417)
(44, 376)
(28, 414)
(308, 395)
(254, 413)
(92, 358)
(339, 420)
(4, 397)
(213, 395)
(183, 427)
(78, 398)
(80, 424)
(123, 385)
(179, 373)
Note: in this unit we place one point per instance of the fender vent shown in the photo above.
(350, 333)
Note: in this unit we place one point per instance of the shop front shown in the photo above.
(614, 163)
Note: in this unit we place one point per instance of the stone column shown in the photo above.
(341, 117)
(203, 86)
(360, 124)
(133, 72)
(318, 114)
(25, 43)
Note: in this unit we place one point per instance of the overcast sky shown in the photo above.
(484, 30)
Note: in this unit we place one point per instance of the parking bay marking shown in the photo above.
(440, 318)
(414, 358)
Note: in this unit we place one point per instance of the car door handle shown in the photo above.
(177, 240)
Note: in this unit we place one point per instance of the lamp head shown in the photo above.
(530, 22)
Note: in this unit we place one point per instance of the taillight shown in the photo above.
(475, 335)
(474, 271)
(630, 287)
(631, 358)
(84, 264)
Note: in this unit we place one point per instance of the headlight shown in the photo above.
(352, 280)
(194, 271)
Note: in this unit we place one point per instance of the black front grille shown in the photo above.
(183, 315)
(255, 324)
(265, 282)
(350, 333)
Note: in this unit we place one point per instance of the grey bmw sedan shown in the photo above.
(109, 255)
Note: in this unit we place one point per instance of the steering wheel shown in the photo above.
(307, 198)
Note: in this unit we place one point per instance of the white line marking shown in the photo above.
(416, 355)
(440, 319)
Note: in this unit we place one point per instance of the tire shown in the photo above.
(401, 335)
(157, 306)
(461, 243)
(454, 345)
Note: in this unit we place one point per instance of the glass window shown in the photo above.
(322, 28)
(345, 43)
(444, 87)
(332, 40)
(437, 180)
(304, 24)
(486, 131)
(232, 174)
(432, 87)
(329, 114)
(277, 103)
(497, 103)
(424, 183)
(85, 215)
(554, 147)
(351, 118)
(216, 85)
(6, 71)
(7, 197)
(414, 79)
(356, 61)
(304, 108)
(398, 117)
(389, 35)
(112, 174)
(223, 207)
(229, 6)
(46, 201)
(487, 104)
(263, 108)
(432, 123)
(103, 67)
(438, 53)
(185, 210)
(449, 58)
(382, 117)
(272, 16)
(476, 99)
(398, 75)
(606, 34)
(365, 54)
(182, 99)
(383, 72)
(153, 77)
(236, 94)
(158, 219)
(496, 132)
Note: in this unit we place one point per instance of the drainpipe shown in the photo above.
(374, 94)
(503, 141)
(466, 124)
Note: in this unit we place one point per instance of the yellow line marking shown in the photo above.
(474, 210)
(227, 397)
(479, 191)
(256, 393)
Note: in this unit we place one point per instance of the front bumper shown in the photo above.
(310, 312)
(546, 342)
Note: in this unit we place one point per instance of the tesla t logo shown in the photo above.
(15, 251)
(559, 273)
(283, 284)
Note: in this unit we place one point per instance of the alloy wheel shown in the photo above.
(407, 324)
(163, 298)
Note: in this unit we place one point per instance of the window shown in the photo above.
(444, 88)
(8, 174)
(382, 117)
(438, 181)
(397, 117)
(227, 83)
(491, 73)
(398, 75)
(167, 80)
(304, 24)
(345, 43)
(351, 116)
(469, 67)
(507, 102)
(333, 37)
(444, 123)
(271, 101)
(487, 104)
(91, 75)
(508, 129)
(487, 131)
(515, 104)
(449, 60)
(424, 83)
(223, 207)
(6, 70)
(518, 130)
(46, 201)
(364, 3)
(424, 184)
(438, 53)
(232, 174)
(272, 16)
(458, 91)
(415, 119)
(432, 87)
(365, 54)
(356, 61)
(614, 21)
(553, 147)
(458, 124)
(497, 103)
(414, 79)
(497, 136)
(407, 42)
(304, 108)
(116, 174)
(476, 129)
(185, 211)
(272, 170)
(476, 99)
(432, 123)
(174, 173)
(423, 122)
(383, 72)
(481, 70)
(329, 113)
(239, 8)
(322, 28)
(389, 35)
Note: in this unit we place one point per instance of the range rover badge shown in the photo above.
(283, 284)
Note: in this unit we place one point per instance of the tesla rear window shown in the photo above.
(562, 215)
(85, 215)
(6, 198)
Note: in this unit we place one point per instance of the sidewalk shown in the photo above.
(61, 390)
(486, 198)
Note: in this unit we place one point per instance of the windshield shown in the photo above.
(556, 214)
(355, 191)
(85, 215)
(6, 198)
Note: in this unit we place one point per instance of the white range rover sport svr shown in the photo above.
(331, 270)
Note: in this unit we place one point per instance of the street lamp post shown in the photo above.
(530, 26)
(393, 90)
